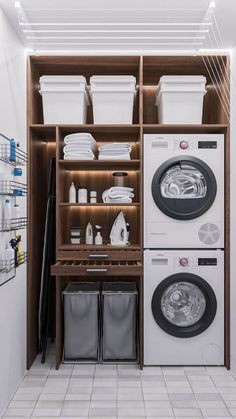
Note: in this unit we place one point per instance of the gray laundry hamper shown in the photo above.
(81, 321)
(119, 324)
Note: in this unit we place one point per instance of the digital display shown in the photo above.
(207, 261)
(207, 144)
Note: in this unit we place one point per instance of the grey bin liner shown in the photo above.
(119, 340)
(81, 321)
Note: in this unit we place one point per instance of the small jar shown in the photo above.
(83, 195)
(76, 235)
(93, 197)
(119, 178)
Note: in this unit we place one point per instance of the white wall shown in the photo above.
(13, 293)
(233, 209)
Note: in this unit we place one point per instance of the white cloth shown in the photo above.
(78, 157)
(116, 157)
(114, 151)
(115, 147)
(118, 194)
(79, 146)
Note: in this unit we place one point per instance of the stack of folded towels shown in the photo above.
(115, 151)
(79, 146)
(118, 195)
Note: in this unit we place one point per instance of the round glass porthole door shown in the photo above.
(184, 188)
(184, 305)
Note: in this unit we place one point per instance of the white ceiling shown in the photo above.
(129, 27)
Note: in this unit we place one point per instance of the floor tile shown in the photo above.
(46, 412)
(180, 412)
(18, 412)
(89, 391)
(216, 412)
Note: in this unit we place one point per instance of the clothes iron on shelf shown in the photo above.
(120, 231)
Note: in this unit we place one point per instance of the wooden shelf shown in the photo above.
(99, 164)
(100, 205)
(97, 127)
(98, 247)
(184, 129)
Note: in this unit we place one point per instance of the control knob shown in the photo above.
(183, 261)
(183, 144)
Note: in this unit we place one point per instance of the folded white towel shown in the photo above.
(115, 146)
(117, 201)
(118, 194)
(78, 138)
(78, 157)
(114, 157)
(122, 189)
(83, 147)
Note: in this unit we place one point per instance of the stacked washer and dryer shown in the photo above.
(184, 249)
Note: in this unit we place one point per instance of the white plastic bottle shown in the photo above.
(7, 214)
(89, 234)
(9, 256)
(98, 237)
(72, 194)
(16, 211)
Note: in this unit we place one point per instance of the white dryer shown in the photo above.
(184, 307)
(184, 191)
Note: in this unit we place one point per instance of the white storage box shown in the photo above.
(112, 83)
(113, 99)
(180, 99)
(65, 99)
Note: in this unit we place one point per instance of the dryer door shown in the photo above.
(184, 188)
(184, 305)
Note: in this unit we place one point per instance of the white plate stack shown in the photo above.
(113, 99)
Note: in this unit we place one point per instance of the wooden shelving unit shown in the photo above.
(46, 141)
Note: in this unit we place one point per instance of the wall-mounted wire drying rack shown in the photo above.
(8, 268)
(20, 156)
(13, 224)
(12, 188)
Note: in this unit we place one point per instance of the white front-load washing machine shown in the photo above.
(184, 191)
(184, 307)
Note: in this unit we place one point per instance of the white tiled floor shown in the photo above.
(123, 391)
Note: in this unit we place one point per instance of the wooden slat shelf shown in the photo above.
(99, 164)
(101, 268)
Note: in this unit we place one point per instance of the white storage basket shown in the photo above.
(65, 99)
(180, 99)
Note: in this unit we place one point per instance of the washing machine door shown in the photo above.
(184, 305)
(184, 188)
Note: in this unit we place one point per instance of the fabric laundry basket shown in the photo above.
(119, 334)
(81, 321)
